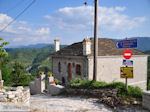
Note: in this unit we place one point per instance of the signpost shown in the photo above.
(127, 70)
(127, 43)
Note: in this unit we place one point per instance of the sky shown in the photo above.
(71, 21)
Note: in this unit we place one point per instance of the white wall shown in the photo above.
(109, 69)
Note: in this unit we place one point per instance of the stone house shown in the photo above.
(76, 60)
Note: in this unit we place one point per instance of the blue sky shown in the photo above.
(71, 21)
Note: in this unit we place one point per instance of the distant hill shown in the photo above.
(41, 45)
(32, 56)
(143, 43)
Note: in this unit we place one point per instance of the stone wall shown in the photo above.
(15, 95)
(109, 70)
(146, 100)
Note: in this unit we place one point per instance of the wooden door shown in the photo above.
(69, 71)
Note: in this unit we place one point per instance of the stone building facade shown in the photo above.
(76, 61)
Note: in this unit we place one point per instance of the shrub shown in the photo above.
(57, 81)
(49, 74)
(121, 87)
(134, 92)
(96, 84)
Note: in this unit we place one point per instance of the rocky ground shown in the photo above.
(43, 103)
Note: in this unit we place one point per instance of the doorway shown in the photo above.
(69, 71)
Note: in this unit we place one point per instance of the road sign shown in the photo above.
(128, 43)
(126, 72)
(127, 62)
(127, 54)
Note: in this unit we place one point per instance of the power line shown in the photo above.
(18, 15)
(15, 6)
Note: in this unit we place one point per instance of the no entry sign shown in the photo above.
(127, 54)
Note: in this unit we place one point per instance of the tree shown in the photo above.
(3, 54)
(19, 76)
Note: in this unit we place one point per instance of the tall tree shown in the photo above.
(3, 53)
(19, 76)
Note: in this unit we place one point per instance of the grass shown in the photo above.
(135, 92)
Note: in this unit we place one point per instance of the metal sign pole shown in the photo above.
(126, 80)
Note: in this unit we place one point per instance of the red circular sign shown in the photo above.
(127, 54)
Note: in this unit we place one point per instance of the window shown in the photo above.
(78, 69)
(59, 67)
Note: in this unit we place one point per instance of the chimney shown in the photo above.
(57, 45)
(86, 46)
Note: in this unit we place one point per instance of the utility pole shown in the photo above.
(95, 39)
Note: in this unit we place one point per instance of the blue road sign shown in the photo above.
(128, 43)
(127, 62)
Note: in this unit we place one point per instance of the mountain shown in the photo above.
(41, 45)
(33, 57)
(143, 43)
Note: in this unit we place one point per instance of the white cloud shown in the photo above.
(43, 31)
(4, 20)
(21, 32)
(82, 17)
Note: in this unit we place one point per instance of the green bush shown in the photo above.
(121, 87)
(57, 81)
(134, 92)
(96, 84)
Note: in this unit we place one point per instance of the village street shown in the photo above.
(42, 103)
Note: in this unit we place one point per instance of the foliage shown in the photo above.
(134, 92)
(86, 84)
(49, 74)
(19, 76)
(3, 53)
(78, 83)
(57, 81)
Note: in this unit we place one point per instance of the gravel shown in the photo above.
(43, 103)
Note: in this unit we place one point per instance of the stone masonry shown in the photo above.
(15, 95)
(146, 100)
(38, 85)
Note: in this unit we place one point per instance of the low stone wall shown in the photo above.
(55, 89)
(15, 95)
(146, 100)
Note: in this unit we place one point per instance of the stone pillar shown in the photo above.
(42, 83)
(1, 81)
(0, 75)
(38, 85)
(146, 99)
(51, 80)
(1, 84)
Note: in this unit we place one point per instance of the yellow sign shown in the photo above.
(126, 72)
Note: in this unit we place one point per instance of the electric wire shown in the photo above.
(18, 16)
